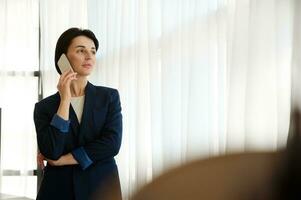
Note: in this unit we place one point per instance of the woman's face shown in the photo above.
(81, 54)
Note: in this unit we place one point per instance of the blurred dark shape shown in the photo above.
(288, 181)
(243, 176)
(110, 189)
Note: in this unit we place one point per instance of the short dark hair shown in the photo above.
(65, 39)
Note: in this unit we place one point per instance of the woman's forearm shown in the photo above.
(66, 159)
(63, 110)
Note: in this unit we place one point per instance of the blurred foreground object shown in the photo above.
(240, 176)
(244, 176)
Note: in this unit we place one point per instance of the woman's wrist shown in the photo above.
(69, 159)
(66, 159)
(63, 110)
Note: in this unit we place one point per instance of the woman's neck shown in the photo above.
(78, 86)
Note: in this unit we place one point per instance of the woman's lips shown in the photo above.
(87, 66)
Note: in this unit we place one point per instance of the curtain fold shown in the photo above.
(259, 75)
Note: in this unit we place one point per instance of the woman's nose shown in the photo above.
(88, 55)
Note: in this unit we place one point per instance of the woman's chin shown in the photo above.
(84, 73)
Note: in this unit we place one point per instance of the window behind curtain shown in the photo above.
(19, 59)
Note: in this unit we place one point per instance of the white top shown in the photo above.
(78, 106)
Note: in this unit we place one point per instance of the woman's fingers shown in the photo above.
(40, 160)
(69, 78)
(66, 76)
(53, 162)
(64, 84)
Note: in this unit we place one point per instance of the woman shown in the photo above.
(79, 128)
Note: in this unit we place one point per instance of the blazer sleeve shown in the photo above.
(51, 132)
(108, 144)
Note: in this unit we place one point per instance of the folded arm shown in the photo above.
(108, 144)
(51, 133)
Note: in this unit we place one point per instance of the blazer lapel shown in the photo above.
(87, 116)
(73, 120)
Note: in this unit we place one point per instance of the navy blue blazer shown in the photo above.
(93, 143)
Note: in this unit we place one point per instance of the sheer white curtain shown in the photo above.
(296, 62)
(196, 78)
(18, 91)
(259, 73)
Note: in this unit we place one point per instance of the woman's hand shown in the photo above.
(66, 159)
(40, 160)
(63, 85)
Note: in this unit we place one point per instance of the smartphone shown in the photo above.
(64, 63)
